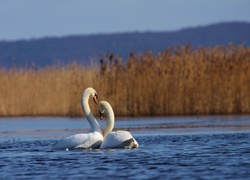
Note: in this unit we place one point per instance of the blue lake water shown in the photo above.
(209, 147)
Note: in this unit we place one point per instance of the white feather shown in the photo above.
(118, 139)
(93, 139)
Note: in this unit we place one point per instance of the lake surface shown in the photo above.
(214, 147)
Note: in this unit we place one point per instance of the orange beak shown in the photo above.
(95, 99)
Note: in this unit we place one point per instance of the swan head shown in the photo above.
(104, 106)
(93, 94)
(101, 109)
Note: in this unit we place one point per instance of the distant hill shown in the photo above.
(83, 48)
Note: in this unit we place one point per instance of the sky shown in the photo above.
(29, 19)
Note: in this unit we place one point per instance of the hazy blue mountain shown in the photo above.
(83, 48)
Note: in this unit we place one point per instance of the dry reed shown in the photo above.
(178, 81)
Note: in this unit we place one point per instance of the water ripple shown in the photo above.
(204, 156)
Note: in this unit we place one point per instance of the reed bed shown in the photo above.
(178, 81)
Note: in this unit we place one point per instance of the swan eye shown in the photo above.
(96, 95)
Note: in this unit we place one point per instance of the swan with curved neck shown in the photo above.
(94, 138)
(118, 139)
(90, 92)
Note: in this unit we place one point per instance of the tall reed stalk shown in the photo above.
(178, 81)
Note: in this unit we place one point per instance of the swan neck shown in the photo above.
(87, 112)
(110, 121)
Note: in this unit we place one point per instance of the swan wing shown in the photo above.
(119, 139)
(84, 140)
(93, 141)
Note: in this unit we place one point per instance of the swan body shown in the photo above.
(118, 139)
(94, 138)
(83, 140)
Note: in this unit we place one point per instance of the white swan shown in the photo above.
(94, 138)
(118, 139)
